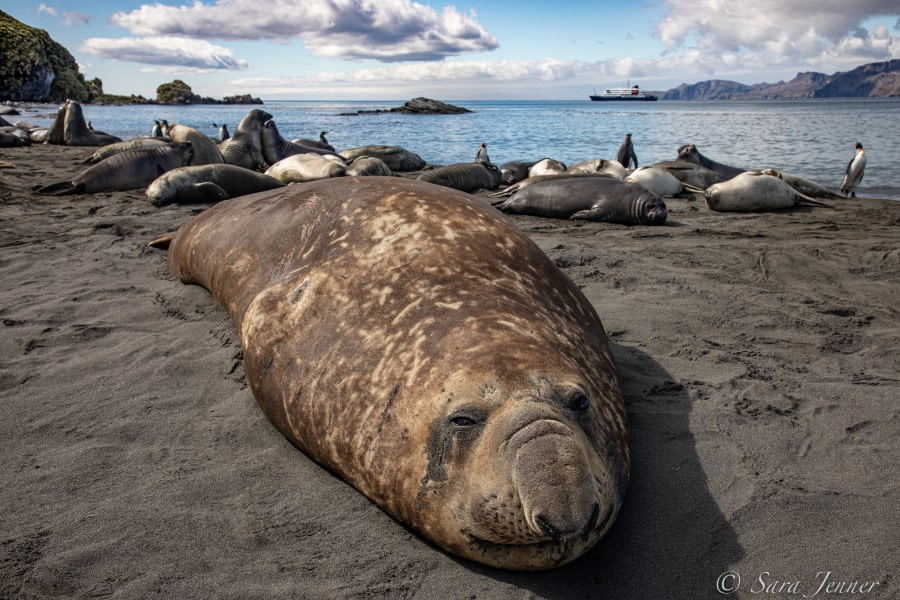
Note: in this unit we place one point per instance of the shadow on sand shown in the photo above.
(670, 540)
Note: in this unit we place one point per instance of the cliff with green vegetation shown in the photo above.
(34, 68)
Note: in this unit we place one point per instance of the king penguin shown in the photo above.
(854, 172)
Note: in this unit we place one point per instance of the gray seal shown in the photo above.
(689, 153)
(77, 133)
(276, 148)
(118, 147)
(395, 157)
(593, 198)
(466, 177)
(128, 170)
(207, 183)
(244, 149)
(412, 340)
(515, 170)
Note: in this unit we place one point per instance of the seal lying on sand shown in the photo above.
(754, 191)
(412, 340)
(395, 157)
(128, 170)
(466, 177)
(207, 183)
(594, 198)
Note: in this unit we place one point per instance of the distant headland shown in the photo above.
(873, 80)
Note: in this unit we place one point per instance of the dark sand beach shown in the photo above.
(759, 356)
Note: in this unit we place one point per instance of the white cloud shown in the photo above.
(386, 30)
(826, 34)
(73, 17)
(50, 10)
(168, 51)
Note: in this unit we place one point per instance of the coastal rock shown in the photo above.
(417, 106)
(34, 68)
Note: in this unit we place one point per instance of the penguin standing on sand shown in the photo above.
(854, 172)
(482, 156)
(626, 154)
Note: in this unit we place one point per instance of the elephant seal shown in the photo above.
(413, 341)
(395, 157)
(546, 166)
(276, 148)
(244, 148)
(299, 168)
(854, 173)
(690, 174)
(600, 166)
(322, 142)
(626, 155)
(658, 181)
(128, 170)
(689, 153)
(77, 133)
(802, 185)
(11, 139)
(754, 191)
(135, 144)
(515, 170)
(206, 152)
(367, 166)
(55, 131)
(593, 198)
(466, 177)
(207, 183)
(529, 181)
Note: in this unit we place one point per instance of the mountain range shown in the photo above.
(874, 80)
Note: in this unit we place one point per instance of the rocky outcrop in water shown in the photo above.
(873, 80)
(34, 68)
(417, 106)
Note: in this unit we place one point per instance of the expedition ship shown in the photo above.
(625, 93)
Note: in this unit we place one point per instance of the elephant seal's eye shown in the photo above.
(462, 421)
(579, 402)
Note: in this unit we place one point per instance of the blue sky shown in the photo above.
(468, 50)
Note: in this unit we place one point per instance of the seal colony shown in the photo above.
(412, 340)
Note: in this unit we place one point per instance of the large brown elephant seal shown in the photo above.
(412, 340)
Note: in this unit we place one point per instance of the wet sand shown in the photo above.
(759, 357)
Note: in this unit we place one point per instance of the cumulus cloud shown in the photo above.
(168, 51)
(474, 79)
(385, 30)
(771, 33)
(73, 17)
(50, 10)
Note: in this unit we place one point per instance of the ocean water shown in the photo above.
(810, 138)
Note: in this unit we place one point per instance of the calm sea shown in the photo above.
(811, 138)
